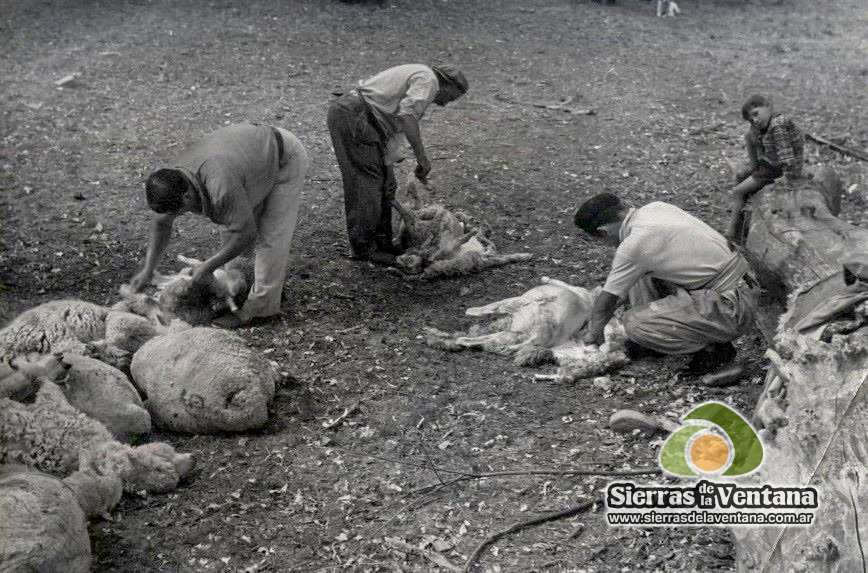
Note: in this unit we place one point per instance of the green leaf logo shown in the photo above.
(719, 442)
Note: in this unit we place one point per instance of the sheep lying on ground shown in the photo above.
(544, 324)
(112, 334)
(58, 326)
(44, 524)
(439, 243)
(105, 394)
(197, 305)
(93, 387)
(204, 380)
(54, 437)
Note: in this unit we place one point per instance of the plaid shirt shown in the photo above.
(782, 145)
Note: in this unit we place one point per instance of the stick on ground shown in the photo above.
(839, 148)
(569, 512)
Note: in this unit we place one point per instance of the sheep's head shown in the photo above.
(34, 365)
(157, 467)
(22, 376)
(154, 467)
(410, 263)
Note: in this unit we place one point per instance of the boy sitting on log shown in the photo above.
(775, 147)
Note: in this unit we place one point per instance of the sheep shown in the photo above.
(542, 318)
(204, 380)
(439, 243)
(44, 525)
(52, 436)
(105, 394)
(93, 387)
(542, 325)
(198, 305)
(61, 326)
(112, 334)
(18, 377)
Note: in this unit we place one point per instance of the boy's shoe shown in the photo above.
(710, 358)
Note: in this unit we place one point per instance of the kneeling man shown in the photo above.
(248, 179)
(688, 292)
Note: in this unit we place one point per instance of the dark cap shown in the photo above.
(453, 75)
(599, 210)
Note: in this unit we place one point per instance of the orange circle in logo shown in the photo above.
(709, 452)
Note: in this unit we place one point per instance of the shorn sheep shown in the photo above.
(544, 324)
(439, 243)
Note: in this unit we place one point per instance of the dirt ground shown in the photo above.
(665, 95)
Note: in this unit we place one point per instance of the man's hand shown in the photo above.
(204, 277)
(423, 168)
(141, 279)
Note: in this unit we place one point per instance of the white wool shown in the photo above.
(44, 525)
(52, 436)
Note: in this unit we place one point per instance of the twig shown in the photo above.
(418, 502)
(560, 106)
(608, 473)
(431, 556)
(836, 147)
(569, 512)
(330, 424)
(546, 377)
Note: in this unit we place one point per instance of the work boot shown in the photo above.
(382, 258)
(636, 351)
(710, 358)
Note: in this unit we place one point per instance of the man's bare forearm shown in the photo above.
(237, 243)
(601, 314)
(161, 235)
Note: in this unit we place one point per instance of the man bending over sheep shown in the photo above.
(367, 126)
(688, 292)
(247, 178)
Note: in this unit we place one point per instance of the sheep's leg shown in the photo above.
(497, 342)
(498, 307)
(537, 348)
(489, 261)
(189, 261)
(501, 324)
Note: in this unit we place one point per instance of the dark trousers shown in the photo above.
(369, 184)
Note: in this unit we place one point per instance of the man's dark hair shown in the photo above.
(753, 101)
(599, 210)
(165, 190)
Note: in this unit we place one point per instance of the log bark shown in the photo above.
(813, 411)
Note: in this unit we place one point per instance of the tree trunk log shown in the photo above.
(813, 412)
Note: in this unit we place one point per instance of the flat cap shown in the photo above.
(452, 74)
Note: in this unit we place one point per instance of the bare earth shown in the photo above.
(666, 93)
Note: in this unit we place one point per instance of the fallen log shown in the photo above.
(814, 406)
